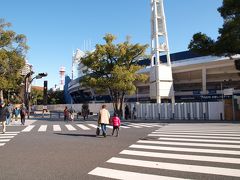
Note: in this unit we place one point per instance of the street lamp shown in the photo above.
(38, 76)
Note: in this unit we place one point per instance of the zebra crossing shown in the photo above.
(179, 151)
(4, 138)
(84, 127)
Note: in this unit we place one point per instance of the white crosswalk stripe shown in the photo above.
(70, 127)
(93, 125)
(42, 128)
(126, 175)
(231, 146)
(177, 167)
(56, 128)
(203, 137)
(182, 156)
(28, 128)
(194, 154)
(4, 138)
(83, 127)
(205, 134)
(78, 126)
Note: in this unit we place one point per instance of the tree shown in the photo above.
(12, 54)
(36, 96)
(112, 68)
(228, 41)
(56, 97)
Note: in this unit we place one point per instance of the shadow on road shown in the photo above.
(76, 135)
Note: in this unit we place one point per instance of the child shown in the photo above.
(116, 123)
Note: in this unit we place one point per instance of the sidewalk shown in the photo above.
(18, 123)
(180, 121)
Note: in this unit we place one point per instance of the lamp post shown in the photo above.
(28, 91)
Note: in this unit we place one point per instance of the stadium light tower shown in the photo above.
(161, 81)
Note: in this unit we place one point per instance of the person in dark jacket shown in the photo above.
(3, 115)
(23, 112)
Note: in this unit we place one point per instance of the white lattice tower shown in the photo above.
(161, 82)
(62, 77)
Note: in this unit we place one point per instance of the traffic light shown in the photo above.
(42, 74)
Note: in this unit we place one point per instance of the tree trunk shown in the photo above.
(1, 95)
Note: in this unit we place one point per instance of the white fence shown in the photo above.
(196, 110)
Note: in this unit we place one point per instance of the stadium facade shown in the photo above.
(196, 78)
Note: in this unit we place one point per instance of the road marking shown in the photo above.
(200, 140)
(192, 136)
(155, 125)
(180, 149)
(93, 125)
(197, 131)
(4, 140)
(133, 125)
(56, 128)
(83, 127)
(9, 134)
(208, 134)
(182, 156)
(5, 137)
(109, 126)
(124, 127)
(2, 144)
(28, 128)
(12, 132)
(126, 175)
(42, 128)
(144, 125)
(177, 167)
(190, 144)
(70, 127)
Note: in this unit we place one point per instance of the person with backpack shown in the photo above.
(116, 122)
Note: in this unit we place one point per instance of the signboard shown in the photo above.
(228, 92)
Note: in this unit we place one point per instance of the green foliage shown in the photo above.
(12, 53)
(56, 97)
(228, 41)
(202, 44)
(112, 68)
(36, 96)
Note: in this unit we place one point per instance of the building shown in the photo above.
(195, 78)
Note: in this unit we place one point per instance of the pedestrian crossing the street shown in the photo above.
(84, 127)
(4, 138)
(179, 151)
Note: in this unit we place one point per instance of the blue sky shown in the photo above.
(55, 28)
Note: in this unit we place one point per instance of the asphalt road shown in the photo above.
(57, 150)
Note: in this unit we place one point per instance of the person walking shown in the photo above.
(104, 117)
(23, 112)
(3, 116)
(16, 113)
(85, 111)
(66, 113)
(127, 112)
(9, 114)
(71, 114)
(116, 122)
